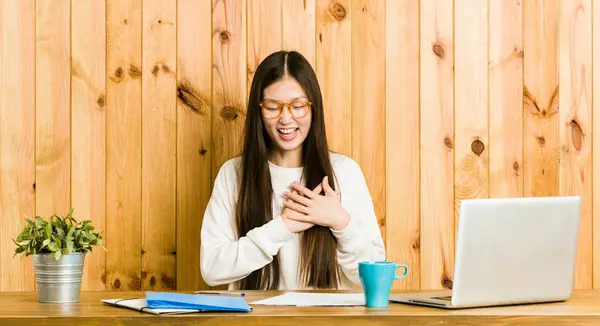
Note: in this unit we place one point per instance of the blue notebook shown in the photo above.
(170, 300)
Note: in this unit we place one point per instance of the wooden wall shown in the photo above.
(125, 109)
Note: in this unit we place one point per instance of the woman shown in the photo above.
(276, 219)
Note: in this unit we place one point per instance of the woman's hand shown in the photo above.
(290, 217)
(317, 209)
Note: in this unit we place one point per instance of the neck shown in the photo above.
(287, 159)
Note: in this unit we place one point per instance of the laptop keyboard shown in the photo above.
(447, 298)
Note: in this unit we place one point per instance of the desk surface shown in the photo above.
(22, 308)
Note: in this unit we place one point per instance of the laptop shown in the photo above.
(510, 251)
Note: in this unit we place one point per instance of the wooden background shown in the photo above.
(125, 109)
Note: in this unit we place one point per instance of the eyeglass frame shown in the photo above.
(282, 105)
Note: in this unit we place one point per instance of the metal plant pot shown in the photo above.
(58, 281)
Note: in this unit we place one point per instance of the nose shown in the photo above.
(286, 115)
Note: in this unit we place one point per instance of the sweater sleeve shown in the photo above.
(361, 239)
(224, 258)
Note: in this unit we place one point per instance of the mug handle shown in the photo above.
(405, 271)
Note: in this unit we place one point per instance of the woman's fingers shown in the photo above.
(297, 198)
(295, 206)
(303, 190)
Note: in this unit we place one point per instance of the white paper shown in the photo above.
(314, 299)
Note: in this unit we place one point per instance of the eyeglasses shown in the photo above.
(273, 109)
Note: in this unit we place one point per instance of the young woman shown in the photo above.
(288, 214)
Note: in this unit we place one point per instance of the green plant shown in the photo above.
(57, 236)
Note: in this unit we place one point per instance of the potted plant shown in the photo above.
(58, 246)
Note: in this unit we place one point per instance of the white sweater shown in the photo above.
(225, 259)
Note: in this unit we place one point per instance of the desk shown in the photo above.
(18, 308)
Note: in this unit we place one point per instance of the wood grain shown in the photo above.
(194, 129)
(298, 31)
(402, 125)
(368, 98)
(88, 109)
(159, 145)
(506, 98)
(540, 98)
(264, 33)
(229, 79)
(17, 138)
(471, 102)
(437, 144)
(53, 112)
(124, 144)
(596, 149)
(575, 122)
(22, 309)
(334, 70)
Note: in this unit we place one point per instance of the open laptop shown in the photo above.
(510, 251)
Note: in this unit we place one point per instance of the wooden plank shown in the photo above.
(159, 145)
(53, 114)
(437, 144)
(17, 138)
(471, 103)
(229, 79)
(506, 98)
(194, 150)
(334, 70)
(596, 148)
(299, 24)
(264, 32)
(368, 98)
(88, 109)
(402, 138)
(575, 122)
(540, 98)
(123, 139)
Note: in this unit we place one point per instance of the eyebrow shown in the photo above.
(295, 98)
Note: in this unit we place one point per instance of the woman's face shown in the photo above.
(287, 125)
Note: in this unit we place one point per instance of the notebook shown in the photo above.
(160, 303)
(172, 300)
(139, 304)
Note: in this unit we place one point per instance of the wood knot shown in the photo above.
(33, 186)
(447, 283)
(143, 251)
(144, 274)
(229, 113)
(103, 277)
(119, 73)
(166, 69)
(135, 72)
(167, 281)
(448, 142)
(576, 135)
(518, 52)
(155, 70)
(541, 140)
(190, 97)
(382, 222)
(174, 253)
(136, 283)
(320, 37)
(101, 101)
(225, 37)
(477, 147)
(516, 166)
(338, 11)
(125, 21)
(117, 284)
(438, 49)
(152, 281)
(417, 244)
(202, 151)
(160, 21)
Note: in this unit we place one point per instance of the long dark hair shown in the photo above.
(318, 259)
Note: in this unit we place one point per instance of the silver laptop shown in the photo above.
(510, 251)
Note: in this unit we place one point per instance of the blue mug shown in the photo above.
(376, 278)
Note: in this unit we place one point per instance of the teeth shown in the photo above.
(287, 131)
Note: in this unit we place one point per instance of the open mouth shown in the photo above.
(287, 133)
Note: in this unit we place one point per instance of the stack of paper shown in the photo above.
(314, 299)
(177, 303)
